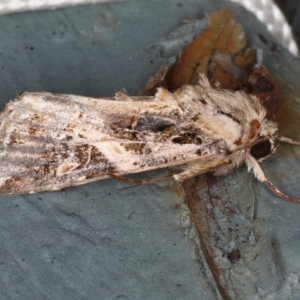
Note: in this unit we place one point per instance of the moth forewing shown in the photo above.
(51, 141)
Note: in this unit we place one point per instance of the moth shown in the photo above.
(52, 141)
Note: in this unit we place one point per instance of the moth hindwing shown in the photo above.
(51, 141)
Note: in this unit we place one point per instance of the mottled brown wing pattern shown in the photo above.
(51, 141)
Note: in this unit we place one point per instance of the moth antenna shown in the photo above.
(287, 140)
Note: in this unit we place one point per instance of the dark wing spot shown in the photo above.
(101, 164)
(91, 155)
(187, 138)
(134, 147)
(42, 170)
(97, 156)
(152, 123)
(122, 122)
(198, 152)
(81, 152)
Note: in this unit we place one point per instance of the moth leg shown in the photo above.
(257, 171)
(140, 181)
(156, 81)
(190, 171)
(201, 167)
(122, 96)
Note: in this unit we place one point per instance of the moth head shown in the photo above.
(265, 145)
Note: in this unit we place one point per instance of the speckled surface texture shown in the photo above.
(98, 241)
